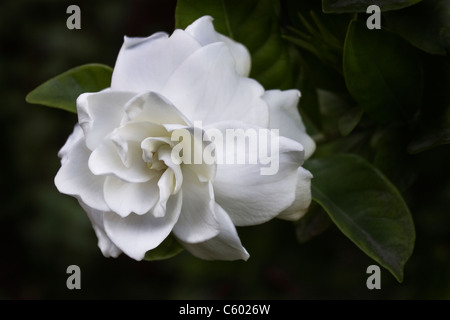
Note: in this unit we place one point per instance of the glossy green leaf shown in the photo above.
(63, 90)
(383, 73)
(167, 249)
(426, 26)
(340, 6)
(255, 23)
(366, 207)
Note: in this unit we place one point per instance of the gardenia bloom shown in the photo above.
(119, 163)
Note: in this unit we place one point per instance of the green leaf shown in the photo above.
(63, 90)
(320, 39)
(255, 23)
(314, 223)
(349, 120)
(340, 6)
(383, 73)
(167, 249)
(429, 141)
(309, 106)
(331, 103)
(391, 157)
(366, 207)
(315, 37)
(321, 75)
(426, 26)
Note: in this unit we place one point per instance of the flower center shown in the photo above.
(151, 149)
(156, 164)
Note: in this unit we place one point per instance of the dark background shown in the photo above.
(42, 232)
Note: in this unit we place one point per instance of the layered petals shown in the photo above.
(197, 222)
(155, 108)
(225, 246)
(107, 160)
(248, 196)
(203, 31)
(200, 94)
(183, 143)
(75, 178)
(124, 197)
(95, 122)
(137, 234)
(145, 64)
(302, 197)
(284, 116)
(107, 247)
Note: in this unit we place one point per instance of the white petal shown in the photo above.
(106, 160)
(136, 234)
(127, 140)
(145, 64)
(248, 196)
(153, 107)
(225, 246)
(197, 222)
(195, 143)
(302, 197)
(124, 197)
(164, 154)
(75, 178)
(207, 88)
(284, 115)
(100, 113)
(73, 139)
(105, 244)
(166, 185)
(138, 131)
(203, 31)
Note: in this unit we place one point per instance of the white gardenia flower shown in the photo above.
(119, 160)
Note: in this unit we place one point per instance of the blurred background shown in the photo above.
(42, 232)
